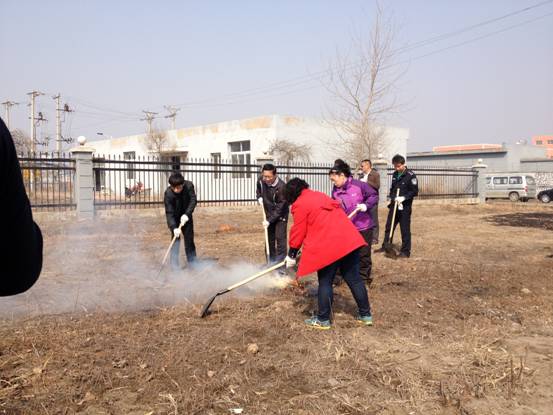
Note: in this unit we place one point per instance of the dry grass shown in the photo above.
(454, 334)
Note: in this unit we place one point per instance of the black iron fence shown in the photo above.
(141, 182)
(442, 183)
(49, 179)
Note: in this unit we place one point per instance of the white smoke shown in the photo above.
(91, 266)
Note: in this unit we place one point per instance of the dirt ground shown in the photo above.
(465, 326)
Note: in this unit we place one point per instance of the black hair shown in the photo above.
(176, 179)
(398, 158)
(269, 167)
(367, 161)
(293, 189)
(340, 166)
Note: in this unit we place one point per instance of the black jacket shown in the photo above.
(408, 186)
(274, 203)
(20, 237)
(178, 204)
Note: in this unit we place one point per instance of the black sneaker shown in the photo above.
(380, 250)
(404, 255)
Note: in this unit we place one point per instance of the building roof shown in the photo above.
(466, 147)
(458, 152)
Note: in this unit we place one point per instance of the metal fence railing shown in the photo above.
(49, 180)
(141, 182)
(442, 183)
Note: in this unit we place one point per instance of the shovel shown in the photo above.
(391, 252)
(167, 254)
(205, 308)
(355, 212)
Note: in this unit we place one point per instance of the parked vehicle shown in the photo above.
(545, 195)
(512, 186)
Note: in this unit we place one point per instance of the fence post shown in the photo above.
(381, 166)
(84, 183)
(480, 169)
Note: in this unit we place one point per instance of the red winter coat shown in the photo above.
(324, 230)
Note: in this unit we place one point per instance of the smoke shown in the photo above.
(111, 265)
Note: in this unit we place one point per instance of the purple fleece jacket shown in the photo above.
(352, 193)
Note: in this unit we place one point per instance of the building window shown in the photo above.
(539, 142)
(241, 156)
(129, 155)
(217, 168)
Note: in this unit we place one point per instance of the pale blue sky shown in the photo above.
(110, 60)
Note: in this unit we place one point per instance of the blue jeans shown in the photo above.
(349, 268)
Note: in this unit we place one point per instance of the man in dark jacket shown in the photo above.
(372, 178)
(406, 182)
(180, 202)
(270, 195)
(20, 237)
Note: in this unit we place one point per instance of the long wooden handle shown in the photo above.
(394, 216)
(259, 274)
(169, 249)
(355, 212)
(267, 251)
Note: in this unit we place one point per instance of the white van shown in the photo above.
(512, 186)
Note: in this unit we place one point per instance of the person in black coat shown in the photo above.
(20, 237)
(180, 202)
(270, 195)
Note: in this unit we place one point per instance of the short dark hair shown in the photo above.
(293, 189)
(340, 166)
(399, 159)
(367, 161)
(176, 179)
(269, 167)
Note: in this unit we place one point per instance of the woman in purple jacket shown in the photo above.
(355, 194)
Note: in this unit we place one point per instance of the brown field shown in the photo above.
(463, 327)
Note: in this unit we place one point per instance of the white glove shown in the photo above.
(362, 207)
(176, 232)
(400, 199)
(290, 262)
(400, 206)
(260, 201)
(183, 220)
(265, 224)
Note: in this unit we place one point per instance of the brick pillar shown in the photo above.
(481, 168)
(84, 180)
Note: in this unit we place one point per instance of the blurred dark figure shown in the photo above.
(20, 237)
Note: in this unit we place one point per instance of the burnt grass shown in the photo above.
(539, 220)
(462, 327)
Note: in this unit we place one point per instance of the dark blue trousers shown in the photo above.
(349, 268)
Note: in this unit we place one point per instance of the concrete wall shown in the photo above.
(509, 159)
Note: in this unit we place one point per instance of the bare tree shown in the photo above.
(158, 141)
(362, 85)
(288, 152)
(22, 141)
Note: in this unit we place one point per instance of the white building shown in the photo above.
(235, 142)
(247, 140)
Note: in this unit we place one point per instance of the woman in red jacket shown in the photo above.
(330, 242)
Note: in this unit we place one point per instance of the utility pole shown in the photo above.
(8, 104)
(172, 114)
(59, 110)
(149, 117)
(33, 95)
(57, 98)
